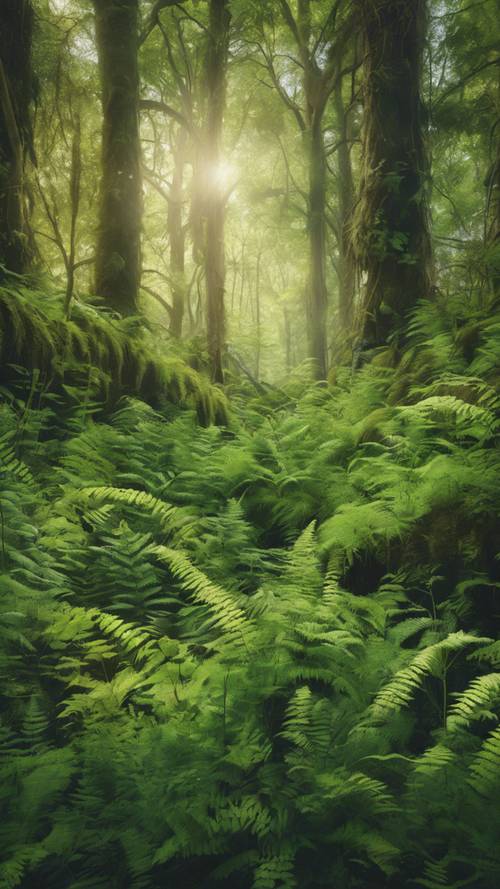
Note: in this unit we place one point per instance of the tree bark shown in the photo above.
(288, 339)
(177, 239)
(392, 226)
(74, 194)
(493, 207)
(318, 295)
(16, 90)
(258, 344)
(346, 199)
(117, 270)
(494, 232)
(216, 64)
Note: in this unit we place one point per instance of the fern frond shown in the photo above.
(428, 662)
(485, 767)
(26, 856)
(130, 497)
(476, 702)
(228, 615)
(10, 464)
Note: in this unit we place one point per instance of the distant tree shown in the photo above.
(171, 73)
(317, 48)
(215, 201)
(346, 193)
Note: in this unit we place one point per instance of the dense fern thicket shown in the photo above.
(261, 655)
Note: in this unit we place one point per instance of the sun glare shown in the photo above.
(223, 175)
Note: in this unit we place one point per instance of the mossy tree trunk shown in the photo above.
(346, 199)
(318, 294)
(494, 232)
(493, 205)
(117, 271)
(16, 90)
(317, 86)
(177, 237)
(392, 227)
(216, 64)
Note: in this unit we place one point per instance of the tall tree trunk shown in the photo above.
(216, 63)
(16, 89)
(288, 339)
(74, 194)
(493, 207)
(118, 238)
(318, 296)
(258, 344)
(316, 96)
(346, 198)
(177, 239)
(393, 233)
(494, 230)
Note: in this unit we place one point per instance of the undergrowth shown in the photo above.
(263, 654)
(106, 356)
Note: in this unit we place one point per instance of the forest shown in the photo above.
(249, 444)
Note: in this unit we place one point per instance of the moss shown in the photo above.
(37, 337)
(468, 339)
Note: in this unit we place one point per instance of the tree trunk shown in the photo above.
(16, 89)
(346, 198)
(177, 240)
(288, 339)
(493, 208)
(216, 63)
(258, 344)
(74, 194)
(494, 231)
(392, 227)
(118, 238)
(318, 296)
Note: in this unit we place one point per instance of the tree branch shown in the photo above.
(464, 80)
(157, 297)
(164, 108)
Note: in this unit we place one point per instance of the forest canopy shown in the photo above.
(249, 429)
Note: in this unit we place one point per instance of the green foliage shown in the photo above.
(261, 656)
(99, 350)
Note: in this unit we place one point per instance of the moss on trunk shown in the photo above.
(177, 238)
(392, 227)
(16, 92)
(318, 295)
(346, 199)
(493, 205)
(120, 212)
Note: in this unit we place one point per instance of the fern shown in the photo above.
(261, 655)
(485, 767)
(431, 661)
(228, 615)
(476, 702)
(131, 498)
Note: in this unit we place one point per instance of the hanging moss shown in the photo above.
(35, 336)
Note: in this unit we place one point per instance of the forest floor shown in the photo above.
(262, 653)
